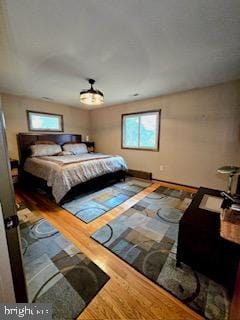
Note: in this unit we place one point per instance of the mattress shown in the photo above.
(64, 172)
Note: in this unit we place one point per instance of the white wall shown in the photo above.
(75, 120)
(200, 131)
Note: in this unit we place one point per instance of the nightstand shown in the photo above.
(90, 145)
(14, 170)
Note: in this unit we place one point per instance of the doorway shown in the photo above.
(12, 280)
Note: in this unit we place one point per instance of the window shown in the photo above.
(41, 121)
(141, 130)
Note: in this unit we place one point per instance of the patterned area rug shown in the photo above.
(91, 206)
(56, 271)
(145, 236)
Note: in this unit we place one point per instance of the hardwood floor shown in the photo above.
(128, 294)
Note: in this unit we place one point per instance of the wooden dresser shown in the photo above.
(201, 246)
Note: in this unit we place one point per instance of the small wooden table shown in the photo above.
(14, 170)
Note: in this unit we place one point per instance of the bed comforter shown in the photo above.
(64, 172)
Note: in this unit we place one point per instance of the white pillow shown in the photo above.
(40, 150)
(76, 148)
(65, 153)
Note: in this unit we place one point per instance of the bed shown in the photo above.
(69, 174)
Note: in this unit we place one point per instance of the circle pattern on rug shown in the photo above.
(171, 215)
(24, 244)
(42, 229)
(95, 211)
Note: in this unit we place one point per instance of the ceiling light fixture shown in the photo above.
(91, 96)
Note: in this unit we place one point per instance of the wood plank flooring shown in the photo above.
(128, 294)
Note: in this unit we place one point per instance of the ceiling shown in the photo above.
(49, 47)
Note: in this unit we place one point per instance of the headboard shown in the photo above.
(25, 140)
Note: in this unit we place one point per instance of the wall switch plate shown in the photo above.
(161, 167)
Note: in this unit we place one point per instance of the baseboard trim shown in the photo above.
(140, 174)
(176, 183)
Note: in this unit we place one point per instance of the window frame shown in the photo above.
(30, 128)
(141, 113)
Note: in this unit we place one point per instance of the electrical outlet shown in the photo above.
(161, 167)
